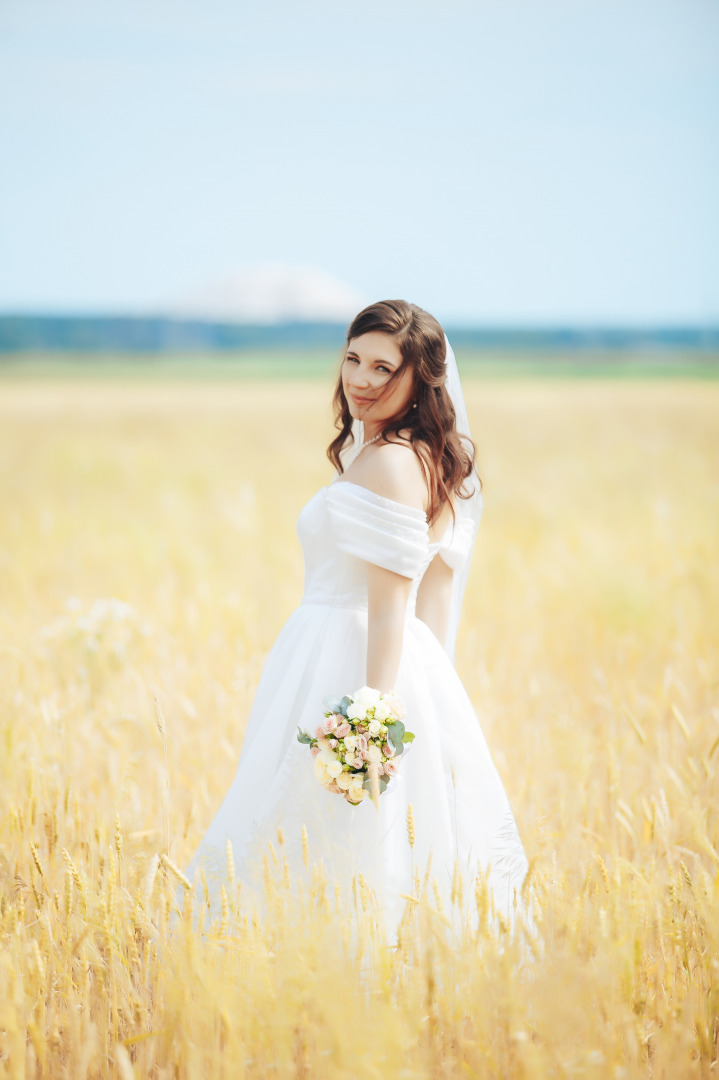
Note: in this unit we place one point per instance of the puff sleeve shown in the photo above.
(456, 546)
(378, 530)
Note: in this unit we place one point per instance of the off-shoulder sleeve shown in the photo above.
(378, 530)
(456, 545)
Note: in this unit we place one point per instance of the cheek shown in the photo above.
(402, 393)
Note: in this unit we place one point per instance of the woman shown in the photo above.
(387, 548)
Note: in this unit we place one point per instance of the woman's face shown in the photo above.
(369, 363)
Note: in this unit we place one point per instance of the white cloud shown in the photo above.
(272, 293)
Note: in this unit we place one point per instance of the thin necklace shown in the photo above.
(368, 443)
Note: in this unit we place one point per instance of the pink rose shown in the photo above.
(319, 732)
(329, 724)
(315, 751)
(388, 750)
(334, 789)
(343, 729)
(360, 729)
(332, 743)
(362, 743)
(391, 767)
(364, 755)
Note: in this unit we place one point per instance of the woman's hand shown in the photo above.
(387, 595)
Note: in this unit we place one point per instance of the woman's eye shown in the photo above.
(384, 369)
(351, 359)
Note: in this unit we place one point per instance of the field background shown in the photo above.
(148, 548)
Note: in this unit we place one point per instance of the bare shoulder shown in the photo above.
(392, 470)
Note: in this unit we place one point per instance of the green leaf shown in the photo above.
(408, 736)
(383, 781)
(395, 734)
(303, 737)
(345, 704)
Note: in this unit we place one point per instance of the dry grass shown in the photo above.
(147, 550)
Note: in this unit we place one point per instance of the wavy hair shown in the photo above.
(447, 457)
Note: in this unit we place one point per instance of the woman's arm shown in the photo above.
(393, 471)
(387, 595)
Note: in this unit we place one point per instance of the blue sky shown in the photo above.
(506, 161)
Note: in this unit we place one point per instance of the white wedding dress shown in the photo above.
(460, 807)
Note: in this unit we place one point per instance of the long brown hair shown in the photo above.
(446, 457)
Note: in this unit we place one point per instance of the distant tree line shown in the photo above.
(130, 334)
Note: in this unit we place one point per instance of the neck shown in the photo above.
(371, 430)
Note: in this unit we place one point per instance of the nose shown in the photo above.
(358, 379)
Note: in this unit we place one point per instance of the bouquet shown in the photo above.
(358, 743)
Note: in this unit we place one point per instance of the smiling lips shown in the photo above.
(360, 400)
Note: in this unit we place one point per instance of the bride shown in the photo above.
(387, 547)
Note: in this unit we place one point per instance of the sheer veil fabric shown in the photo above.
(462, 815)
(468, 511)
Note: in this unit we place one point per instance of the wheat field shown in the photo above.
(148, 558)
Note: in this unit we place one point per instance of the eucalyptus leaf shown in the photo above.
(303, 737)
(383, 781)
(332, 705)
(344, 705)
(395, 734)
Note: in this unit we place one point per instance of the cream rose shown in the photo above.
(321, 770)
(334, 769)
(395, 705)
(356, 791)
(356, 711)
(374, 727)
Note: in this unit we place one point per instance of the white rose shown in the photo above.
(344, 781)
(356, 711)
(334, 769)
(367, 696)
(350, 757)
(350, 742)
(374, 727)
(374, 752)
(381, 711)
(326, 756)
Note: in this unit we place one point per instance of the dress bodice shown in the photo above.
(345, 526)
